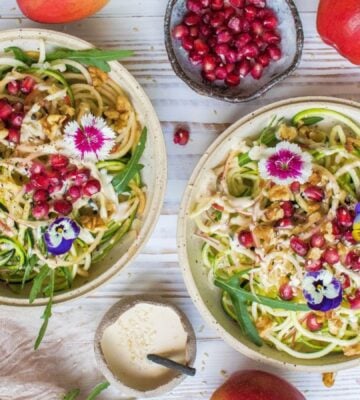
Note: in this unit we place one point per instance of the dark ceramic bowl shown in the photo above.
(292, 42)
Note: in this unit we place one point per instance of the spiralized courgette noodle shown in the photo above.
(235, 198)
(65, 90)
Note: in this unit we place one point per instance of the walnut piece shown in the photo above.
(287, 132)
(280, 193)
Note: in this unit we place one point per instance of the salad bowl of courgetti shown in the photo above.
(268, 234)
(82, 167)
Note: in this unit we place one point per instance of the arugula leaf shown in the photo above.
(95, 57)
(19, 54)
(97, 390)
(122, 179)
(47, 312)
(311, 120)
(30, 264)
(72, 395)
(38, 282)
(233, 288)
(68, 275)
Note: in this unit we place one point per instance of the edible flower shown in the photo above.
(60, 235)
(92, 140)
(284, 164)
(322, 291)
(356, 224)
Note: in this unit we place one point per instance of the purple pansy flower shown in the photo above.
(322, 291)
(60, 235)
(92, 140)
(283, 164)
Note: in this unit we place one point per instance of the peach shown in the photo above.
(256, 385)
(59, 11)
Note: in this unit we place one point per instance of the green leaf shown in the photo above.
(311, 120)
(122, 179)
(95, 57)
(72, 395)
(97, 390)
(19, 54)
(68, 275)
(47, 312)
(38, 282)
(30, 264)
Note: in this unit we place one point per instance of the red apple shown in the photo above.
(256, 385)
(59, 11)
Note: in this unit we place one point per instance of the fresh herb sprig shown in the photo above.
(74, 393)
(20, 55)
(121, 181)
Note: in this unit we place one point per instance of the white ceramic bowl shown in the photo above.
(207, 298)
(153, 174)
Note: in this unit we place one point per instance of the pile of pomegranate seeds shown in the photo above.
(12, 113)
(181, 136)
(58, 177)
(229, 38)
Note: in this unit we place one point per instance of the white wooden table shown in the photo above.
(66, 358)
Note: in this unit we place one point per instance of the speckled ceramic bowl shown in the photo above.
(206, 297)
(153, 174)
(112, 315)
(292, 35)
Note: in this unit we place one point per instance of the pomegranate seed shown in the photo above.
(28, 187)
(212, 41)
(62, 206)
(260, 43)
(18, 107)
(40, 181)
(257, 71)
(40, 210)
(336, 231)
(246, 239)
(270, 22)
(286, 292)
(58, 161)
(230, 68)
(250, 12)
(229, 12)
(180, 31)
(232, 79)
(74, 192)
(205, 30)
(40, 195)
(242, 40)
(82, 176)
(295, 187)
(348, 238)
(192, 19)
(27, 85)
(5, 109)
(313, 265)
(55, 188)
(13, 87)
(245, 25)
(344, 280)
(187, 43)
(317, 240)
(352, 260)
(312, 323)
(220, 72)
(206, 17)
(224, 37)
(354, 300)
(195, 58)
(91, 187)
(257, 27)
(217, 4)
(288, 208)
(258, 3)
(201, 47)
(217, 19)
(285, 223)
(222, 49)
(16, 119)
(231, 57)
(209, 76)
(244, 68)
(235, 24)
(209, 63)
(54, 177)
(344, 217)
(274, 52)
(271, 37)
(13, 135)
(37, 167)
(237, 3)
(194, 31)
(331, 255)
(299, 246)
(181, 136)
(194, 6)
(205, 3)
(264, 59)
(314, 193)
(251, 50)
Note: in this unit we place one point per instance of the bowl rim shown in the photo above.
(111, 316)
(150, 221)
(182, 242)
(209, 91)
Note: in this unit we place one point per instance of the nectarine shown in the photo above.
(256, 385)
(59, 11)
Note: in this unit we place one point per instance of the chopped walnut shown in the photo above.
(52, 124)
(264, 232)
(314, 253)
(312, 133)
(334, 324)
(353, 350)
(315, 178)
(92, 222)
(112, 114)
(67, 110)
(314, 217)
(3, 131)
(274, 212)
(328, 379)
(287, 132)
(280, 193)
(263, 324)
(98, 76)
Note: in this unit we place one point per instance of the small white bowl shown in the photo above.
(112, 316)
